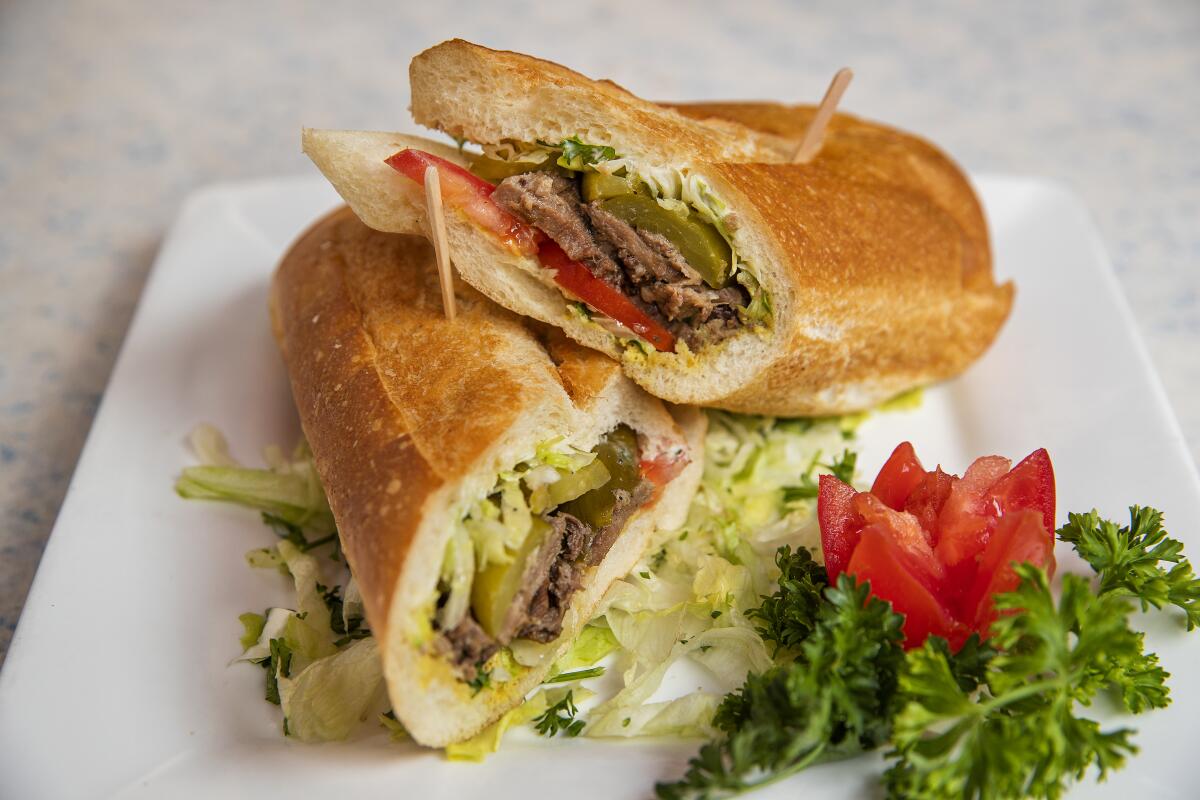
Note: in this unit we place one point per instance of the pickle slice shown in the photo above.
(701, 245)
(568, 487)
(618, 452)
(599, 186)
(495, 588)
(497, 169)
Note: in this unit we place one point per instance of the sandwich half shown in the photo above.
(683, 241)
(489, 478)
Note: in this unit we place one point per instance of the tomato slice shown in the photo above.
(579, 281)
(906, 532)
(964, 524)
(900, 475)
(925, 502)
(663, 469)
(469, 193)
(1028, 485)
(840, 523)
(1019, 537)
(880, 560)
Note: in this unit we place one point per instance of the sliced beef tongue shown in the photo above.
(644, 265)
(551, 203)
(547, 593)
(469, 646)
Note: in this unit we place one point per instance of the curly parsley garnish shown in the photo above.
(1128, 559)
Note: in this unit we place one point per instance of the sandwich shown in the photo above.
(684, 242)
(489, 477)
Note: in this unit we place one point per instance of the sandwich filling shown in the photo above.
(517, 557)
(647, 253)
(658, 237)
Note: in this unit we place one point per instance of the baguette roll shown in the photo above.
(413, 420)
(851, 278)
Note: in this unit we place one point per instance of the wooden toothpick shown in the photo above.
(810, 145)
(437, 234)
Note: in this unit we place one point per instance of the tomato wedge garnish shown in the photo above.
(579, 281)
(926, 501)
(1029, 484)
(880, 560)
(939, 547)
(471, 194)
(964, 525)
(900, 475)
(1020, 537)
(841, 526)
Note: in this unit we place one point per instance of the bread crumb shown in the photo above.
(393, 486)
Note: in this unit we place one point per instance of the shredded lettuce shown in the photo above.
(327, 699)
(290, 489)
(252, 628)
(592, 644)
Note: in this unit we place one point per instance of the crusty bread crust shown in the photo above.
(410, 415)
(490, 96)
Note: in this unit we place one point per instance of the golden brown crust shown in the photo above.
(449, 79)
(384, 383)
(875, 151)
(863, 322)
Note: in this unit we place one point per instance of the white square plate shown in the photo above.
(117, 682)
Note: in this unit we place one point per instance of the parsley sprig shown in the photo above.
(788, 617)
(1020, 736)
(832, 701)
(1128, 559)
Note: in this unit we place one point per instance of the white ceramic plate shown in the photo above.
(117, 681)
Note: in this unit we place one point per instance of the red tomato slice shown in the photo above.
(1028, 485)
(840, 524)
(906, 532)
(925, 502)
(900, 475)
(469, 193)
(964, 523)
(663, 469)
(1019, 537)
(880, 560)
(579, 281)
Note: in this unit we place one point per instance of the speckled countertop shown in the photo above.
(110, 113)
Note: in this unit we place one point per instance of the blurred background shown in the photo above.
(111, 113)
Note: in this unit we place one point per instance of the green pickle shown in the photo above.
(497, 169)
(568, 487)
(701, 245)
(599, 186)
(618, 452)
(494, 589)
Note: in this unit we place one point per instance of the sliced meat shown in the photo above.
(542, 617)
(667, 284)
(550, 202)
(642, 260)
(644, 265)
(469, 646)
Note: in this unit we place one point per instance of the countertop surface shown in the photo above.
(111, 113)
